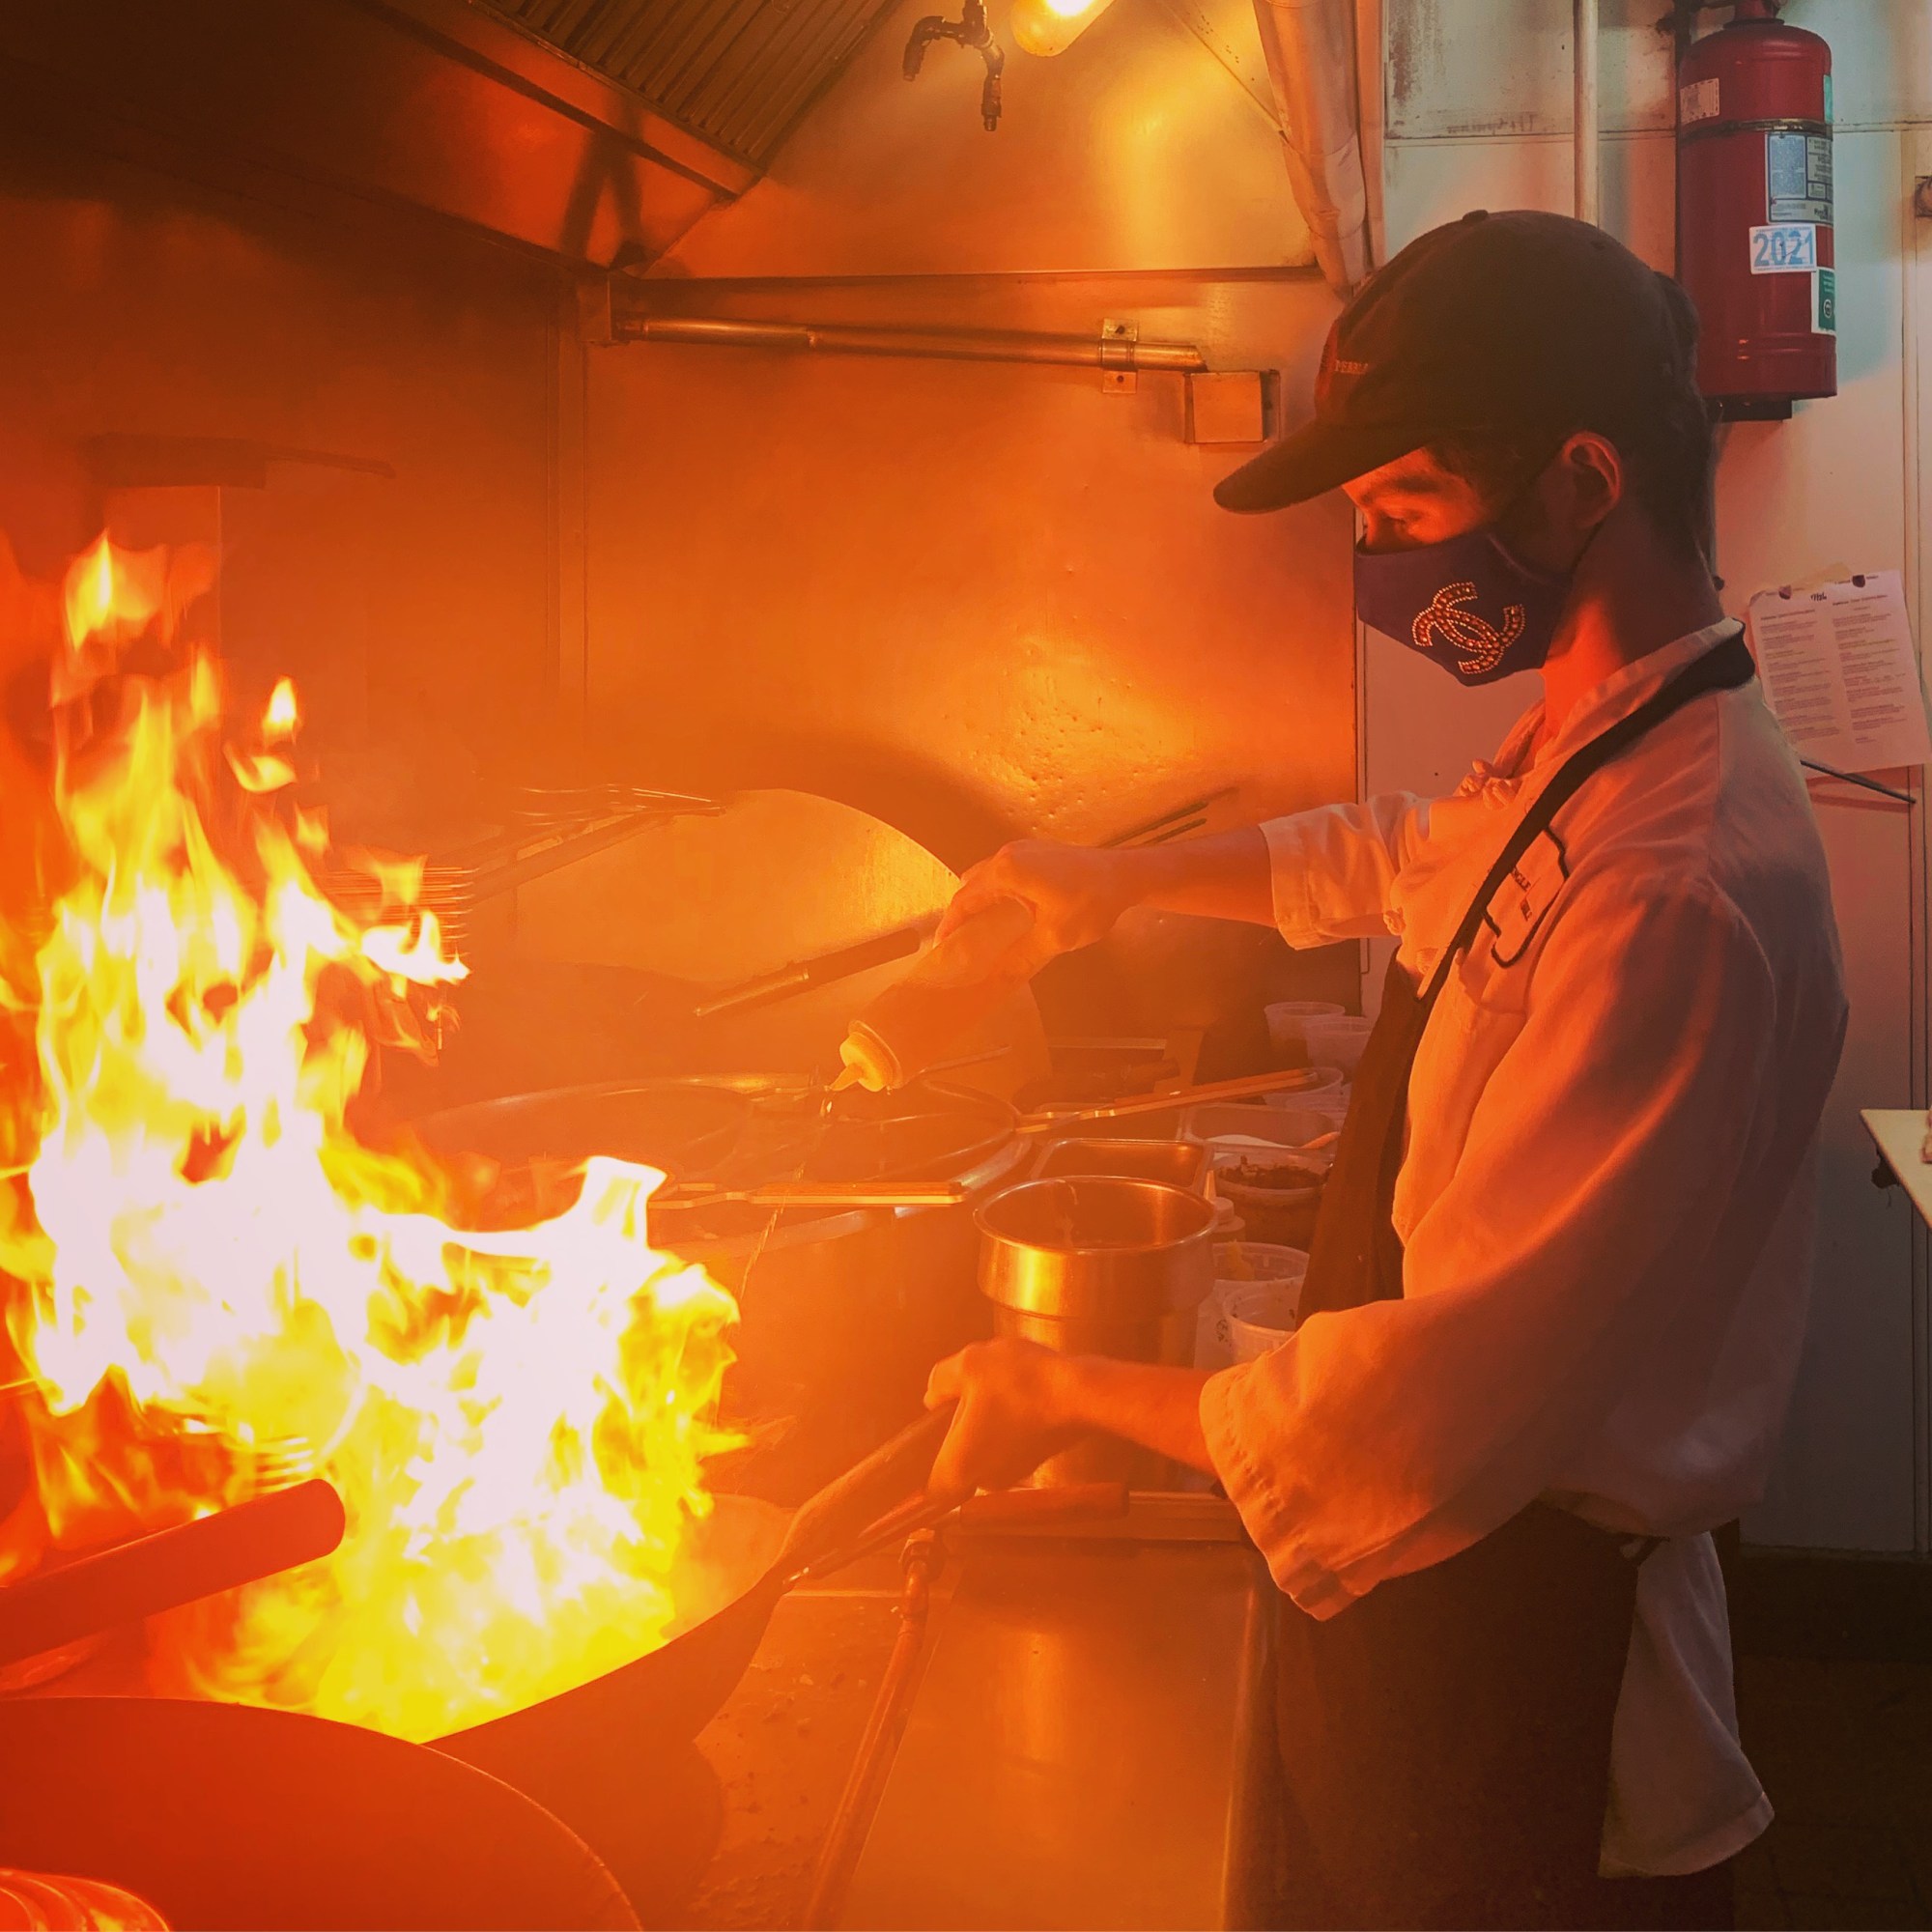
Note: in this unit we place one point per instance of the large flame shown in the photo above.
(212, 1282)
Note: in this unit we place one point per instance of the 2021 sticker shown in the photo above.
(1785, 248)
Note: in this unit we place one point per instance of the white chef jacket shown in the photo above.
(1606, 1205)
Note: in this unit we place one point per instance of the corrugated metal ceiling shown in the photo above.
(739, 73)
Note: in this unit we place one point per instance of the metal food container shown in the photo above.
(1177, 1163)
(1099, 1265)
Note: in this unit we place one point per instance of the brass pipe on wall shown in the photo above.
(949, 345)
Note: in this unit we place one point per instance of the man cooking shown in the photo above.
(1555, 1299)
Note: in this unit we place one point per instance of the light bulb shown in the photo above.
(1051, 26)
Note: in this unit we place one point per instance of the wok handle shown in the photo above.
(171, 1567)
(845, 1506)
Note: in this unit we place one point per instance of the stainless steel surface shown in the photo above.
(1090, 1740)
(739, 74)
(1086, 636)
(923, 1555)
(946, 345)
(1055, 619)
(1585, 32)
(1228, 408)
(1098, 1266)
(436, 103)
(884, 1729)
(1137, 150)
(1177, 1163)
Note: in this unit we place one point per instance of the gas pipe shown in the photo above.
(1754, 243)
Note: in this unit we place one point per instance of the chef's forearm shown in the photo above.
(1158, 1407)
(1225, 875)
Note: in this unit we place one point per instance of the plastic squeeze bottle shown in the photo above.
(948, 989)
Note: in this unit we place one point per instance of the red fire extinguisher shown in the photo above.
(1754, 241)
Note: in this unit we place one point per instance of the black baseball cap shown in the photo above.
(1492, 323)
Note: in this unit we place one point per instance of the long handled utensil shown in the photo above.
(825, 968)
(171, 1567)
(1283, 1079)
(815, 1194)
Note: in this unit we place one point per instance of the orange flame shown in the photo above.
(209, 1274)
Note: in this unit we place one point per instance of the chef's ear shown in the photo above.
(1584, 483)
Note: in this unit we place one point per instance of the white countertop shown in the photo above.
(1900, 1135)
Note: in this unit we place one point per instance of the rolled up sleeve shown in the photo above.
(1333, 867)
(1599, 1159)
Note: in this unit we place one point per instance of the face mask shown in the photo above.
(1466, 603)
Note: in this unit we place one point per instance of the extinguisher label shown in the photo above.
(1698, 100)
(1824, 302)
(1785, 248)
(1798, 178)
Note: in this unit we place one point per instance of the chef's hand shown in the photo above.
(1075, 891)
(1015, 1412)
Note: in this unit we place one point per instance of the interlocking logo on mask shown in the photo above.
(1473, 638)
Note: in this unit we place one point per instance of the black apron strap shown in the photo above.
(1356, 1256)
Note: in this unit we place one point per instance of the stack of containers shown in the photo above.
(1317, 1034)
(1252, 1306)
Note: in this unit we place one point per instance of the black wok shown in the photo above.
(224, 1815)
(588, 1752)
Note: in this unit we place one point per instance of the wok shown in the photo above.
(588, 1752)
(225, 1815)
(843, 1310)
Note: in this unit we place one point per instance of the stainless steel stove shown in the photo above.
(1085, 1740)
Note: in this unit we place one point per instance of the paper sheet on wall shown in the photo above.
(1841, 674)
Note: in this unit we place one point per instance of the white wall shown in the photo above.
(1476, 111)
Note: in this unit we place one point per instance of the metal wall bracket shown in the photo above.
(1118, 357)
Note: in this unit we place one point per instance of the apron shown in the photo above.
(1447, 1739)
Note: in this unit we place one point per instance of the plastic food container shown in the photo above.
(1242, 1266)
(1234, 1127)
(1337, 1041)
(1303, 1127)
(1261, 1317)
(1242, 1122)
(1278, 1192)
(1286, 1021)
